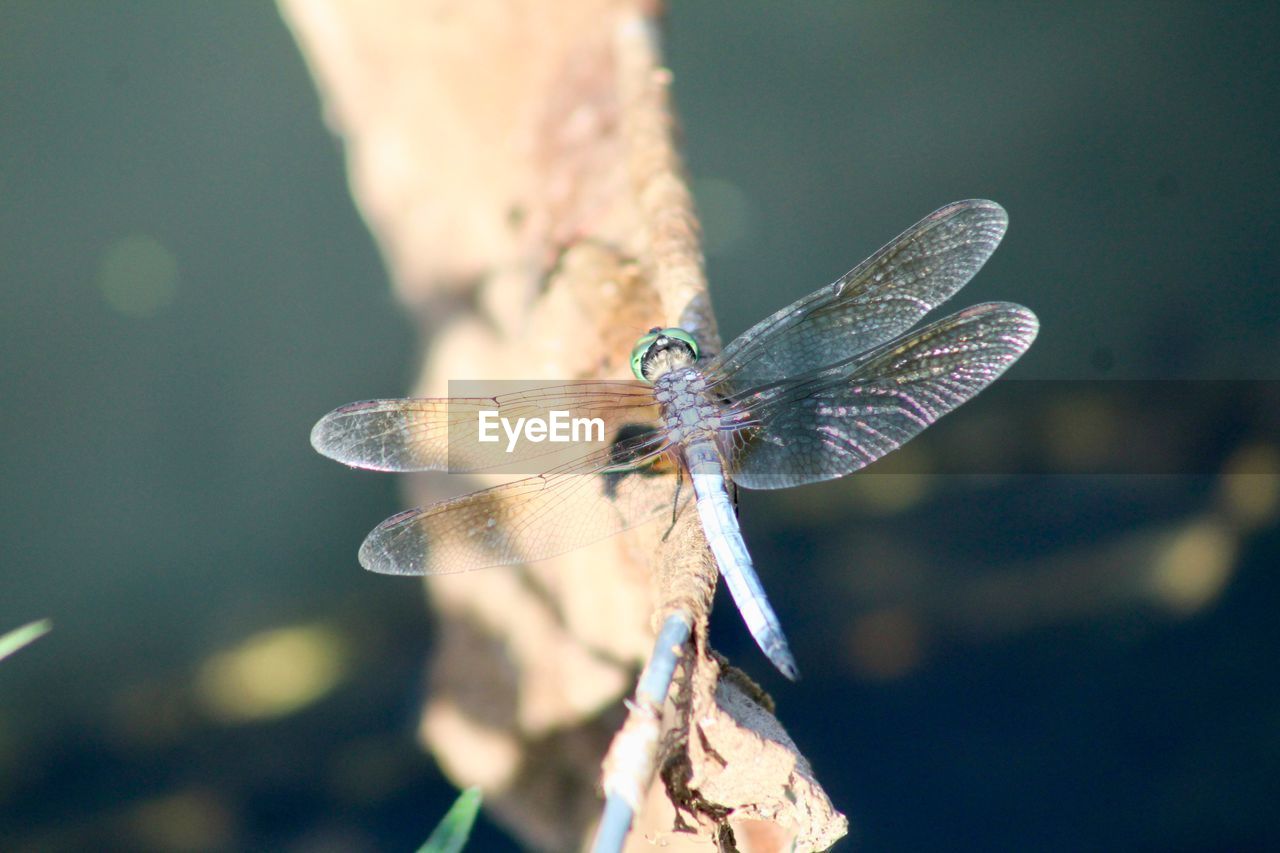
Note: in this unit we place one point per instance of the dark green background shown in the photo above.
(159, 500)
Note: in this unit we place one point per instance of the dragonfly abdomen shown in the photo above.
(720, 524)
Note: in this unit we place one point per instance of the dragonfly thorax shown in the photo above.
(688, 411)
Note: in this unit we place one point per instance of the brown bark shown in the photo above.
(515, 163)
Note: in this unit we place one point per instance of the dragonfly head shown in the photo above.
(662, 350)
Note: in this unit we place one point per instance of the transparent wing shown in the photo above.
(528, 520)
(834, 421)
(877, 300)
(439, 434)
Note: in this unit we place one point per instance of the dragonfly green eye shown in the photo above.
(656, 340)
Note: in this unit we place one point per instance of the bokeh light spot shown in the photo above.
(272, 674)
(1082, 431)
(138, 276)
(1195, 569)
(887, 644)
(889, 494)
(188, 820)
(896, 483)
(1250, 487)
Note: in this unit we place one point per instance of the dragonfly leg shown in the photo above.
(675, 502)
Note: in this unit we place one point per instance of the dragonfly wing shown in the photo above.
(443, 434)
(877, 300)
(527, 520)
(832, 422)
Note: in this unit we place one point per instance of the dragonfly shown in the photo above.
(815, 391)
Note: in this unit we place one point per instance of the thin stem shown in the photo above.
(630, 763)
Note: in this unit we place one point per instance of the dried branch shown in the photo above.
(516, 165)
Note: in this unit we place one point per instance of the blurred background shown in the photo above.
(1005, 656)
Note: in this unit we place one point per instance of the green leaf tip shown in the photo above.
(19, 637)
(455, 828)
